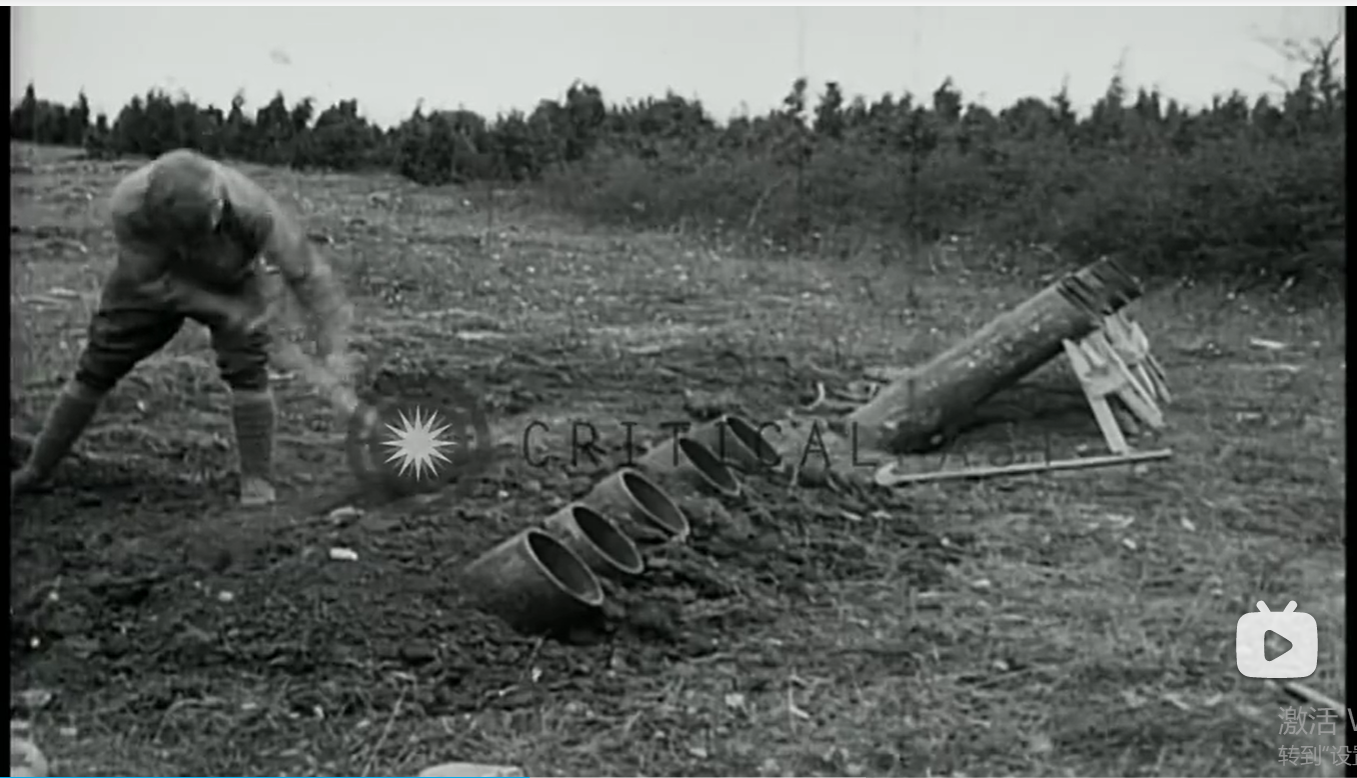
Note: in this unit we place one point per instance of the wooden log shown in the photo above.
(914, 412)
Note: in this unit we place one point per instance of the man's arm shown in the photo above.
(311, 279)
(142, 270)
(143, 273)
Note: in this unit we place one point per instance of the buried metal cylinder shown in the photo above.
(596, 540)
(533, 582)
(639, 507)
(686, 461)
(737, 443)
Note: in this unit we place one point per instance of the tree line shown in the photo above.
(1241, 187)
(434, 148)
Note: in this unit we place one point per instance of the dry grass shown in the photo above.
(1060, 625)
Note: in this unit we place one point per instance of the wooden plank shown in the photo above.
(1136, 398)
(886, 476)
(1131, 351)
(1133, 346)
(1107, 422)
(1097, 385)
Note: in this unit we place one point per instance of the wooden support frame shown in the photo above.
(1115, 361)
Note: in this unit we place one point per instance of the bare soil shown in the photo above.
(1075, 624)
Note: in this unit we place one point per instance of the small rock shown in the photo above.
(344, 514)
(472, 768)
(1120, 521)
(418, 653)
(343, 555)
(35, 699)
(1040, 744)
(1264, 343)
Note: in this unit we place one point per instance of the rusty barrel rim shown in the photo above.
(533, 582)
(550, 558)
(605, 538)
(549, 554)
(751, 438)
(664, 514)
(709, 466)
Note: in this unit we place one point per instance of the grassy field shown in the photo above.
(1076, 624)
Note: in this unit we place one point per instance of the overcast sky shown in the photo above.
(496, 58)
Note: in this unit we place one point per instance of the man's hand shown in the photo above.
(342, 367)
(233, 313)
(253, 317)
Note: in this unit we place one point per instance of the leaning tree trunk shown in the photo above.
(913, 412)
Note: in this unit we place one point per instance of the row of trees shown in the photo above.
(1238, 187)
(434, 148)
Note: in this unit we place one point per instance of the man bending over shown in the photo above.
(191, 233)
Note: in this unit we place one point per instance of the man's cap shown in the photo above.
(185, 194)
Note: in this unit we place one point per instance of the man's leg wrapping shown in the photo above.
(252, 412)
(66, 420)
(243, 361)
(119, 338)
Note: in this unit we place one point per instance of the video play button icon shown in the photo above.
(1280, 644)
(1274, 645)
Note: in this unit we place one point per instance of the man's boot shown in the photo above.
(252, 413)
(69, 416)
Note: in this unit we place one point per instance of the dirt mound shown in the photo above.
(166, 583)
(144, 591)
